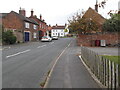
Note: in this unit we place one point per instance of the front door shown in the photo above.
(27, 34)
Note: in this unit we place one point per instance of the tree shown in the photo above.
(8, 37)
(82, 25)
(112, 24)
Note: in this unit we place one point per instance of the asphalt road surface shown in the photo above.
(25, 65)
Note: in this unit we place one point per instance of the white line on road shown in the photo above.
(18, 53)
(41, 46)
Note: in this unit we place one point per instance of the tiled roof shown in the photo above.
(25, 18)
(95, 16)
(58, 27)
(33, 21)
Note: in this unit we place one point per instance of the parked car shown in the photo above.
(46, 38)
(55, 38)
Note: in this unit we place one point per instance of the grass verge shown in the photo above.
(115, 59)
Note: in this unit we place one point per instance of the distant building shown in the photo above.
(59, 31)
(43, 27)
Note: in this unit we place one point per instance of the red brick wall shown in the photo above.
(12, 21)
(89, 40)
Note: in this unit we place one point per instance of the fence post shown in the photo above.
(119, 75)
(105, 72)
(113, 75)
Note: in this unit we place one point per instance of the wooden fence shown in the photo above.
(106, 71)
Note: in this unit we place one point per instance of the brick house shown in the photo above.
(96, 38)
(24, 28)
(93, 15)
(43, 27)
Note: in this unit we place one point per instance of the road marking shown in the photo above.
(18, 53)
(41, 46)
(5, 48)
(48, 77)
(51, 42)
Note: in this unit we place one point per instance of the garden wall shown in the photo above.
(90, 40)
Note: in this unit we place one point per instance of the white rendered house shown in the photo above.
(59, 31)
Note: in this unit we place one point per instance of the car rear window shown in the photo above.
(44, 37)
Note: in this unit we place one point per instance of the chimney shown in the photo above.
(56, 25)
(22, 12)
(32, 13)
(40, 17)
(65, 24)
(96, 6)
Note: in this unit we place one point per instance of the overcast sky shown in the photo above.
(55, 11)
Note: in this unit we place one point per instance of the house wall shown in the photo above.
(31, 31)
(42, 27)
(89, 40)
(12, 22)
(57, 32)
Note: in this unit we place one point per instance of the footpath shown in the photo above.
(69, 71)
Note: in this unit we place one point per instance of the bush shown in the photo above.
(8, 37)
(112, 24)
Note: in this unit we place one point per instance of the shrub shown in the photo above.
(8, 37)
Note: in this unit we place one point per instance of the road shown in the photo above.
(24, 66)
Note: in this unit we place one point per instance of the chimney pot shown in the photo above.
(96, 6)
(40, 17)
(32, 12)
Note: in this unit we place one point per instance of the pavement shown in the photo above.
(69, 71)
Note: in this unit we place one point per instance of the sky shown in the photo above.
(55, 11)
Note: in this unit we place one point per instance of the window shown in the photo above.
(34, 35)
(40, 25)
(27, 25)
(35, 27)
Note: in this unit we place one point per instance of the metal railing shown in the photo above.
(106, 71)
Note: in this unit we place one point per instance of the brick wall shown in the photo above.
(11, 21)
(89, 40)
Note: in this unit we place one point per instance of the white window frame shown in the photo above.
(27, 25)
(34, 35)
(35, 26)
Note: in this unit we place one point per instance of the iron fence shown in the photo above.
(106, 71)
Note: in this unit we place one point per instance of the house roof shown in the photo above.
(25, 18)
(3, 15)
(58, 27)
(33, 21)
(95, 16)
